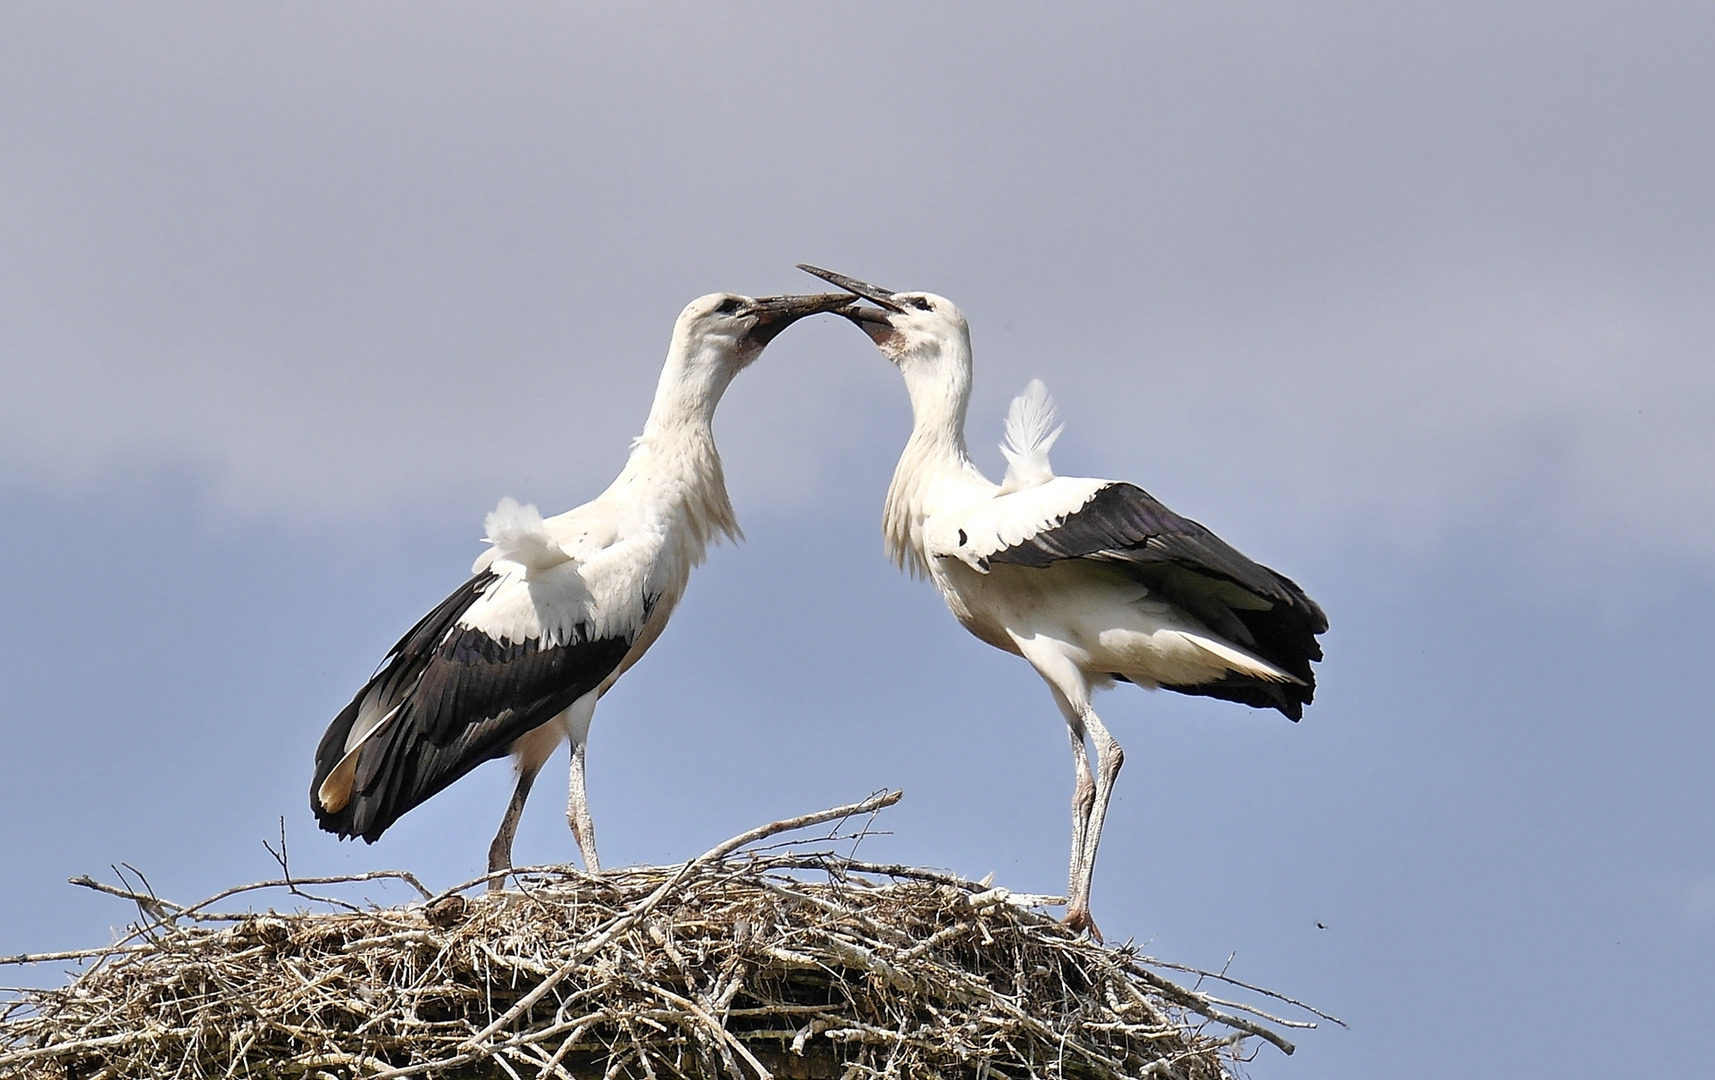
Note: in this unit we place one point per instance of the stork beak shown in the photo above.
(776, 313)
(875, 294)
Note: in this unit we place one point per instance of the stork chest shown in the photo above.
(970, 598)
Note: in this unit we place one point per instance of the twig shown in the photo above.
(74, 954)
(167, 907)
(1224, 977)
(1200, 1003)
(335, 879)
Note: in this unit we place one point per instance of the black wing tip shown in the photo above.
(357, 818)
(349, 822)
(338, 823)
(1288, 699)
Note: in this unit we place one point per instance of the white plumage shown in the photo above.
(514, 661)
(1089, 580)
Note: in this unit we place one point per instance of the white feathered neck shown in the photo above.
(672, 478)
(935, 471)
(676, 451)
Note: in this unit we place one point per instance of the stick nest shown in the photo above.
(784, 962)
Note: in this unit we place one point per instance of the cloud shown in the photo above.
(1424, 279)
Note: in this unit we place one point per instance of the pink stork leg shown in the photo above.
(500, 851)
(578, 719)
(1089, 798)
(1109, 758)
(1083, 802)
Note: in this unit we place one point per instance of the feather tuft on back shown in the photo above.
(519, 536)
(1030, 434)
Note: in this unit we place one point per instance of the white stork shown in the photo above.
(1091, 581)
(514, 661)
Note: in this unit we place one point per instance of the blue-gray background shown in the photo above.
(1410, 301)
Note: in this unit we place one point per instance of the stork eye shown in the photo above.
(728, 306)
(921, 304)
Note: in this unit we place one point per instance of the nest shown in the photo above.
(780, 961)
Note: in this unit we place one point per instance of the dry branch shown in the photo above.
(783, 961)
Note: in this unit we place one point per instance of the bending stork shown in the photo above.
(514, 661)
(1091, 581)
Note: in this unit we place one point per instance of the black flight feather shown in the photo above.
(400, 669)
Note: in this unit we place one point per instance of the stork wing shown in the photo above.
(448, 697)
(1180, 560)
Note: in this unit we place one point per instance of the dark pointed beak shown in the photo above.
(875, 294)
(776, 313)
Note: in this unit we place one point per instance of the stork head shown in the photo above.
(918, 331)
(732, 330)
(716, 337)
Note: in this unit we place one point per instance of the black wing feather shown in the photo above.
(463, 698)
(398, 672)
(1258, 609)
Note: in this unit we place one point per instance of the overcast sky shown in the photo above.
(1412, 302)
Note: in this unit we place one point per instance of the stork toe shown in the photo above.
(1078, 920)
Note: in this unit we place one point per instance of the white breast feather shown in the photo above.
(621, 575)
(1030, 434)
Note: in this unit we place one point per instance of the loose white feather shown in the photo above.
(520, 536)
(1030, 434)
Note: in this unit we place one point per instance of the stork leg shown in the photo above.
(1083, 800)
(530, 751)
(1071, 691)
(1109, 758)
(578, 719)
(500, 851)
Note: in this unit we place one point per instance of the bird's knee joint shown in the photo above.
(1083, 797)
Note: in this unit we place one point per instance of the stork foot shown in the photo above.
(1078, 920)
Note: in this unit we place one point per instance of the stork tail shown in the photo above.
(1030, 434)
(519, 535)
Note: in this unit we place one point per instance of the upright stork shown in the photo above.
(1091, 581)
(514, 661)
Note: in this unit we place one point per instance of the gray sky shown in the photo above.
(1411, 302)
